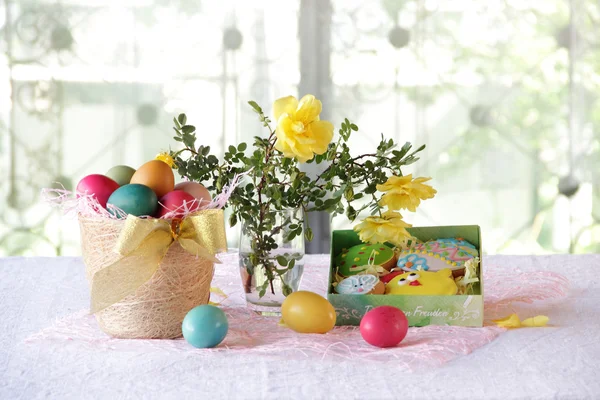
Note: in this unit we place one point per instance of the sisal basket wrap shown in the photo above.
(157, 308)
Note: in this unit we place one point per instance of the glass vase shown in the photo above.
(265, 291)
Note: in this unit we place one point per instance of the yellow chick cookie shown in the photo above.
(423, 283)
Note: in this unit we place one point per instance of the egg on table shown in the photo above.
(100, 186)
(307, 312)
(205, 326)
(157, 175)
(384, 326)
(423, 283)
(135, 199)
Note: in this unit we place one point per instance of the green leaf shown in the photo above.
(242, 146)
(232, 149)
(188, 128)
(182, 118)
(281, 260)
(353, 127)
(308, 234)
(232, 220)
(176, 123)
(205, 150)
(286, 290)
(255, 106)
(349, 193)
(371, 189)
(291, 236)
(292, 263)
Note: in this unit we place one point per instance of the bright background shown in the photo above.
(503, 92)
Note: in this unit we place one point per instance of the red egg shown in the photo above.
(99, 185)
(195, 189)
(384, 326)
(174, 201)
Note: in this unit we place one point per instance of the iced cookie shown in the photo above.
(423, 283)
(435, 255)
(360, 284)
(358, 258)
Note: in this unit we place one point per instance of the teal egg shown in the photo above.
(205, 326)
(135, 199)
(121, 174)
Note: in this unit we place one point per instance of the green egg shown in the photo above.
(135, 199)
(121, 174)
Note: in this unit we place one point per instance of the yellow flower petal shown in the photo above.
(284, 105)
(537, 321)
(322, 131)
(512, 321)
(404, 192)
(390, 227)
(309, 109)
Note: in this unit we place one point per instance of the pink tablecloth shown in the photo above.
(53, 347)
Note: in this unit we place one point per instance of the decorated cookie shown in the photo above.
(358, 258)
(360, 284)
(438, 254)
(423, 283)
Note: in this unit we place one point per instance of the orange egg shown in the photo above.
(157, 175)
(196, 190)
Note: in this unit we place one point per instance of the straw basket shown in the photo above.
(157, 308)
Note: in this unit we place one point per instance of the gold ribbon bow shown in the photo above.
(143, 243)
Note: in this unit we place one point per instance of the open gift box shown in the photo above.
(460, 310)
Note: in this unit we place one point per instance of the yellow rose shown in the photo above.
(300, 133)
(404, 192)
(388, 228)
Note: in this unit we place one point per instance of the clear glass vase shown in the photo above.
(286, 230)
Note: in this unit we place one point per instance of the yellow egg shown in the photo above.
(157, 175)
(307, 312)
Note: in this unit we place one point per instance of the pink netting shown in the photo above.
(256, 335)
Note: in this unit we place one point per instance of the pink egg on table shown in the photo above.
(178, 201)
(384, 326)
(99, 185)
(197, 190)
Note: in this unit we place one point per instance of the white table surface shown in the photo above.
(559, 362)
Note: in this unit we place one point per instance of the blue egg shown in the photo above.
(135, 199)
(205, 326)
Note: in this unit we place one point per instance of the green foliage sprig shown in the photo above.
(347, 185)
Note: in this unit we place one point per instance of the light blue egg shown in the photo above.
(205, 326)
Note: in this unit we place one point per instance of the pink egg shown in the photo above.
(195, 189)
(384, 326)
(99, 185)
(175, 201)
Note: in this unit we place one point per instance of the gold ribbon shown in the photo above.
(143, 243)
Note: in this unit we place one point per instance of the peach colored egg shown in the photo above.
(157, 175)
(195, 189)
